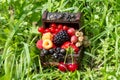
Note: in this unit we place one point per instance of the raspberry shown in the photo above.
(60, 38)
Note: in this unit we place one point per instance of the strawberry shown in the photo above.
(75, 48)
(66, 45)
(69, 44)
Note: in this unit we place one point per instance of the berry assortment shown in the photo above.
(55, 41)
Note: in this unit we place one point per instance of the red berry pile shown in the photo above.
(55, 41)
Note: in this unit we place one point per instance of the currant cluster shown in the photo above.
(56, 53)
(56, 39)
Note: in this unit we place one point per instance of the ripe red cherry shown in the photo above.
(41, 29)
(65, 28)
(62, 67)
(60, 26)
(53, 25)
(71, 31)
(47, 30)
(72, 67)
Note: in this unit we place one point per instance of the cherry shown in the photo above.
(62, 67)
(53, 25)
(41, 29)
(72, 67)
(65, 28)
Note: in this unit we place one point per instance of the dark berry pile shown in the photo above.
(56, 53)
(61, 37)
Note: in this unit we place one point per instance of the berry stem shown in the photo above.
(71, 52)
(66, 56)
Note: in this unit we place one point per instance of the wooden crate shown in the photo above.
(74, 20)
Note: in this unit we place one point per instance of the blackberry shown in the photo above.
(61, 37)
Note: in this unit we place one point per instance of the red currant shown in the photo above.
(65, 28)
(53, 25)
(41, 29)
(52, 30)
(60, 26)
(47, 30)
(56, 30)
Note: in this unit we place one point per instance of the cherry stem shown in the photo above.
(71, 52)
(66, 56)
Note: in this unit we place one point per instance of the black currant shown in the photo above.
(60, 57)
(58, 49)
(55, 55)
(42, 54)
(51, 51)
(63, 51)
(44, 51)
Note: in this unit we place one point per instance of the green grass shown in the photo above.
(19, 57)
